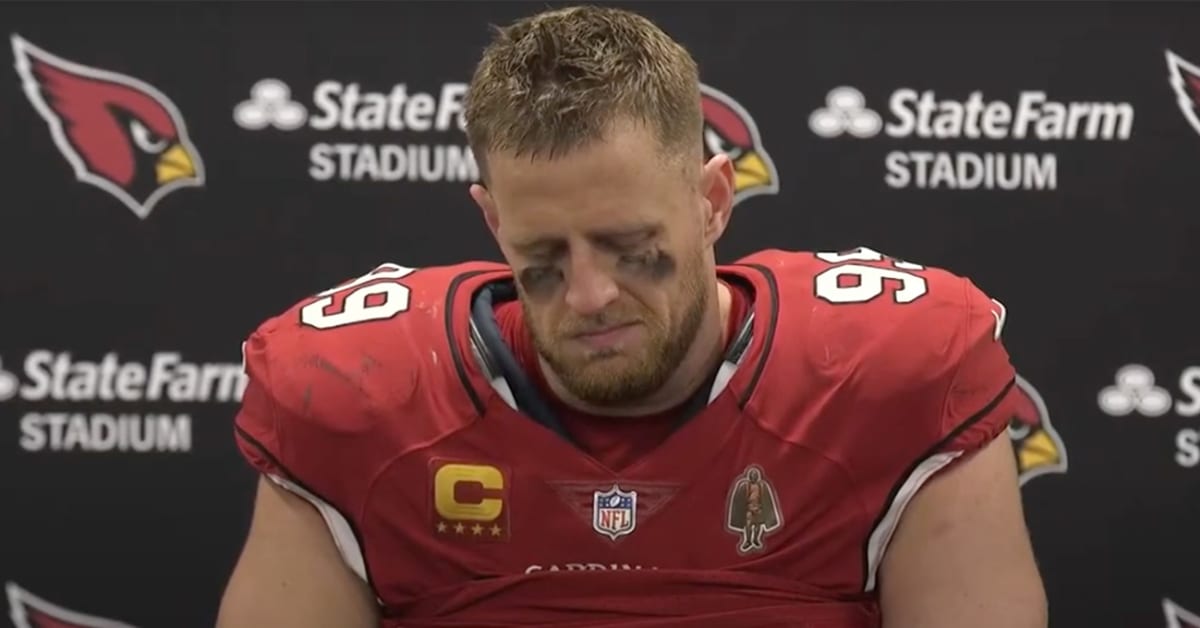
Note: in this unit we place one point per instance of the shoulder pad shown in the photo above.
(867, 309)
(340, 356)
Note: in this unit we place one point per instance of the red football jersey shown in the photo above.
(858, 378)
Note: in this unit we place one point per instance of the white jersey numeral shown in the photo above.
(859, 283)
(361, 300)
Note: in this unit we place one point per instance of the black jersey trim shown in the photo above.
(460, 366)
(769, 336)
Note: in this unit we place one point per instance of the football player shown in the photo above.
(611, 429)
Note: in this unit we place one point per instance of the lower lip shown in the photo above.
(606, 338)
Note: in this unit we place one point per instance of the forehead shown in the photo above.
(622, 181)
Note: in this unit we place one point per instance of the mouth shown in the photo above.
(606, 337)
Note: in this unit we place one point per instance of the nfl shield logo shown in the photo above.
(614, 512)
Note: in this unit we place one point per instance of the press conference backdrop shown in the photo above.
(175, 173)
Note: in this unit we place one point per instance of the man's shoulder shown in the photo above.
(889, 368)
(880, 329)
(863, 301)
(384, 293)
(346, 355)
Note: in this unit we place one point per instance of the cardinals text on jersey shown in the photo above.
(53, 384)
(925, 115)
(118, 133)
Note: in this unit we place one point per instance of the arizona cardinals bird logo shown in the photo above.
(118, 133)
(1038, 447)
(729, 129)
(1178, 616)
(29, 611)
(1185, 80)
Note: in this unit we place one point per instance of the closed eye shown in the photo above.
(630, 242)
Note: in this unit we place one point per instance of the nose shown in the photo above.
(589, 288)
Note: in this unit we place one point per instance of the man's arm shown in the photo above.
(290, 572)
(961, 555)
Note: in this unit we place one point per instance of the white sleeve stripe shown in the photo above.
(339, 527)
(882, 534)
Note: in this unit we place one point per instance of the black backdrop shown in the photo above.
(123, 496)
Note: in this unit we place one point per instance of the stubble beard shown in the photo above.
(614, 379)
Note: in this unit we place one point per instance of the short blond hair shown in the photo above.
(558, 80)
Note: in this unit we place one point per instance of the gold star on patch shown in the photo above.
(495, 530)
(458, 528)
(477, 529)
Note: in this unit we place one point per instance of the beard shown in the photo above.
(611, 378)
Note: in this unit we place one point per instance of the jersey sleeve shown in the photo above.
(961, 399)
(345, 383)
(285, 430)
(256, 430)
(981, 391)
(310, 419)
(889, 370)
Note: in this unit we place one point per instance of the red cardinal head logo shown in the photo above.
(29, 611)
(118, 133)
(1178, 616)
(1038, 447)
(729, 129)
(1185, 80)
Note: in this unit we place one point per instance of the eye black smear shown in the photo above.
(539, 282)
(656, 265)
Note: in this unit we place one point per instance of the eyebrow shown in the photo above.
(606, 237)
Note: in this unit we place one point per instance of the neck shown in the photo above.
(702, 358)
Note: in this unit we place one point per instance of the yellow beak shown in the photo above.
(1038, 450)
(175, 163)
(750, 171)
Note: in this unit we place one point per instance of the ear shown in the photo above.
(484, 200)
(716, 185)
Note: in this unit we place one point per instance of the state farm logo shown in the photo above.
(113, 404)
(349, 108)
(270, 104)
(845, 111)
(1032, 116)
(1136, 391)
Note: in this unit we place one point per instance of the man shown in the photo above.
(613, 430)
